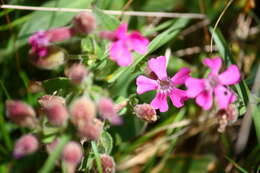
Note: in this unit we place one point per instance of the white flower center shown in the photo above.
(165, 86)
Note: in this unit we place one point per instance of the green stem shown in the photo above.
(97, 158)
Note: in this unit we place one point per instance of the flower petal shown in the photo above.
(181, 76)
(178, 97)
(230, 76)
(160, 102)
(214, 64)
(205, 100)
(121, 31)
(224, 96)
(158, 66)
(194, 86)
(138, 42)
(145, 84)
(120, 53)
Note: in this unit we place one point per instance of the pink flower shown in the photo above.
(124, 43)
(203, 89)
(41, 39)
(164, 85)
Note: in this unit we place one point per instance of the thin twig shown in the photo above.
(219, 18)
(193, 50)
(112, 12)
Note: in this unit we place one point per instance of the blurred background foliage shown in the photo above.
(173, 143)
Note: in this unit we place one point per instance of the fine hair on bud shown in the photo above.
(76, 73)
(91, 130)
(82, 110)
(72, 155)
(25, 145)
(84, 23)
(145, 112)
(56, 113)
(51, 99)
(107, 163)
(20, 113)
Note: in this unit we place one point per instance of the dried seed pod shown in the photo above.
(145, 112)
(27, 144)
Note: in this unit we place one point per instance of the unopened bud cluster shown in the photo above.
(145, 112)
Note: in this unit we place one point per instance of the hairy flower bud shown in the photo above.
(227, 117)
(51, 99)
(60, 34)
(145, 112)
(71, 155)
(20, 113)
(84, 23)
(54, 58)
(27, 144)
(109, 35)
(57, 114)
(108, 111)
(107, 163)
(91, 130)
(76, 73)
(82, 110)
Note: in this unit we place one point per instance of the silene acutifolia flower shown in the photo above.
(203, 89)
(123, 43)
(164, 85)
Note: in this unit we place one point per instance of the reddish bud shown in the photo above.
(84, 23)
(149, 73)
(145, 112)
(91, 130)
(57, 114)
(27, 144)
(71, 155)
(77, 73)
(20, 113)
(59, 34)
(82, 110)
(108, 111)
(227, 117)
(51, 99)
(107, 163)
(109, 35)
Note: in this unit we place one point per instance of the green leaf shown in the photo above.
(256, 119)
(42, 20)
(97, 156)
(61, 85)
(106, 22)
(50, 162)
(156, 43)
(241, 88)
(106, 143)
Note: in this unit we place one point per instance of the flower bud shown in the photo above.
(91, 130)
(149, 73)
(82, 110)
(57, 114)
(20, 113)
(60, 34)
(71, 155)
(27, 144)
(54, 58)
(84, 23)
(227, 117)
(109, 35)
(107, 163)
(145, 112)
(51, 99)
(108, 111)
(76, 73)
